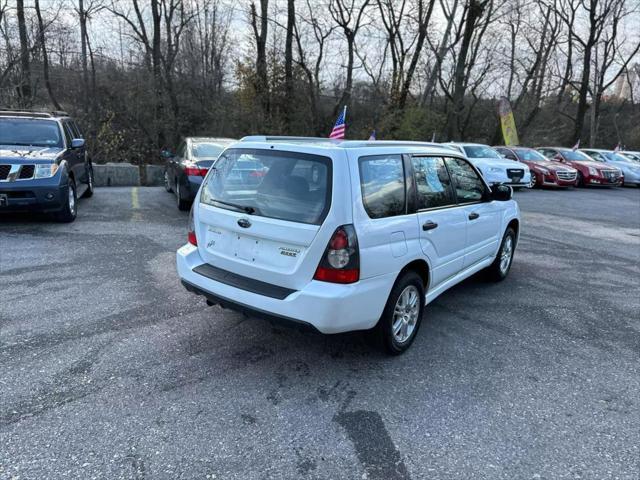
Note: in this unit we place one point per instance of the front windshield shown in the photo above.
(28, 132)
(206, 150)
(634, 157)
(527, 155)
(481, 151)
(575, 156)
(616, 157)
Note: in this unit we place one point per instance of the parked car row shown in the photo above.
(552, 166)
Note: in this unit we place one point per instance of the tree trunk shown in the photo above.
(156, 63)
(475, 10)
(260, 36)
(288, 64)
(45, 58)
(442, 51)
(424, 18)
(24, 89)
(82, 14)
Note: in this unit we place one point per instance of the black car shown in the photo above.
(186, 169)
(44, 165)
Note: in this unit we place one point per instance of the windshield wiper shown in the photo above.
(244, 208)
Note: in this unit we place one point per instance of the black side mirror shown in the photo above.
(501, 193)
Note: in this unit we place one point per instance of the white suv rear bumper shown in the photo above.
(328, 307)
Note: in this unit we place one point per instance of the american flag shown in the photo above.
(372, 137)
(339, 127)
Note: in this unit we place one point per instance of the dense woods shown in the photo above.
(139, 74)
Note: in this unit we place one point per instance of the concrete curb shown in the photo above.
(127, 175)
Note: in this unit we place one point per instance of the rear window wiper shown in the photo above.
(244, 208)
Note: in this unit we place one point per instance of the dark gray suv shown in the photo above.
(44, 164)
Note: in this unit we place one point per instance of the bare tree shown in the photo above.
(24, 89)
(474, 11)
(318, 35)
(260, 33)
(348, 15)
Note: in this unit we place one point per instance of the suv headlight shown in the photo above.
(46, 170)
(593, 171)
(544, 171)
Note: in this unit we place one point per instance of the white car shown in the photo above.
(344, 235)
(494, 167)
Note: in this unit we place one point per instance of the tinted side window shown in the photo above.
(68, 134)
(76, 130)
(468, 185)
(383, 186)
(433, 182)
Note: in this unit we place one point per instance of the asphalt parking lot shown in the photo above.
(110, 369)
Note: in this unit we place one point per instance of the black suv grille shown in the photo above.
(4, 171)
(27, 171)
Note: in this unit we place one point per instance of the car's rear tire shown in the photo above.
(70, 209)
(500, 267)
(89, 191)
(167, 181)
(402, 315)
(183, 205)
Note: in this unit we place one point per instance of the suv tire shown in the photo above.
(68, 213)
(402, 314)
(500, 267)
(89, 191)
(183, 205)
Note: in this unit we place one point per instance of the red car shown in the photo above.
(544, 172)
(589, 171)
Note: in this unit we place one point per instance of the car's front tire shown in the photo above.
(500, 267)
(69, 211)
(402, 314)
(89, 191)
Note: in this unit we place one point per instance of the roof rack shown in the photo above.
(342, 143)
(8, 112)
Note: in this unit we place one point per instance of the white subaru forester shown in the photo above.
(344, 235)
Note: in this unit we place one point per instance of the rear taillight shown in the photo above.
(257, 173)
(196, 171)
(341, 260)
(191, 233)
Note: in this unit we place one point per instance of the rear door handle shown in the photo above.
(429, 225)
(473, 215)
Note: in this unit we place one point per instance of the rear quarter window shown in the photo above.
(382, 183)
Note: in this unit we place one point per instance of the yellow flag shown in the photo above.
(507, 122)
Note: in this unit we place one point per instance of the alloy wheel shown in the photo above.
(506, 254)
(405, 314)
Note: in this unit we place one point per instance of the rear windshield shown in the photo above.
(206, 150)
(30, 133)
(283, 185)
